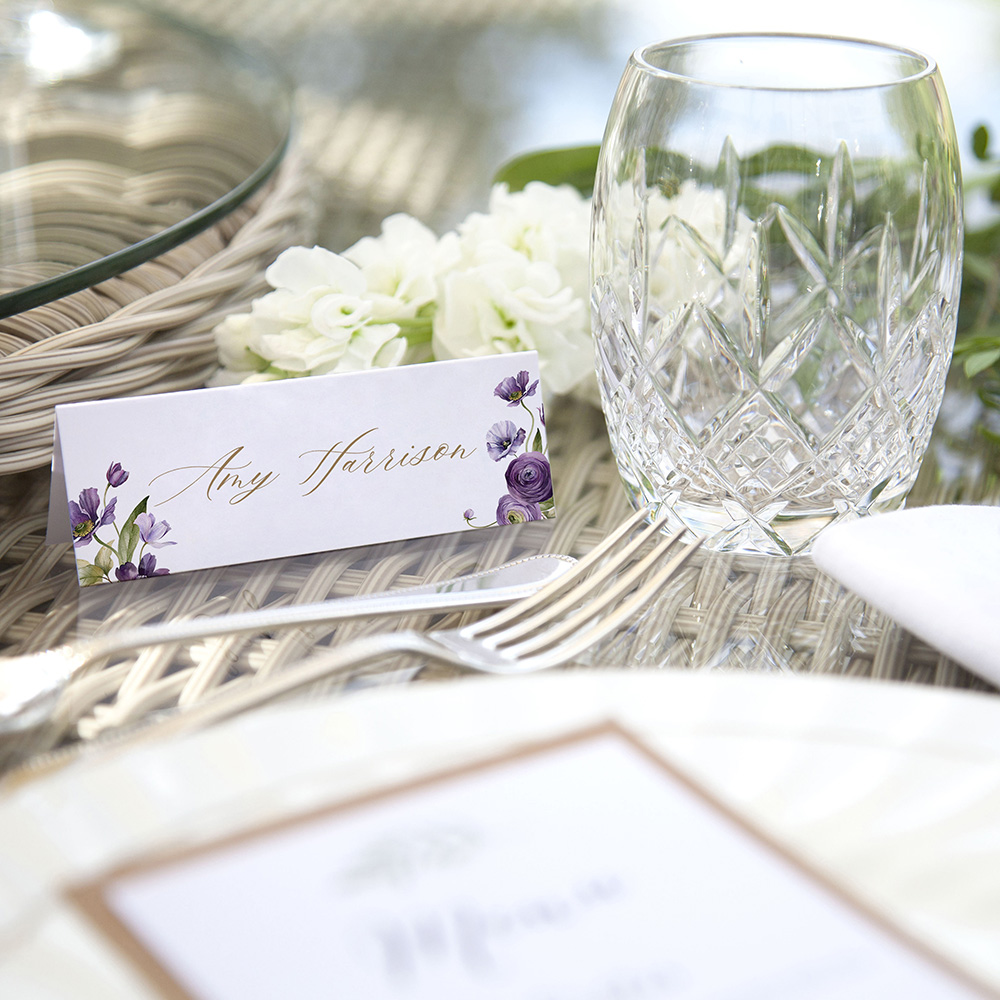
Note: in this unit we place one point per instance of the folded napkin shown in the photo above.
(935, 570)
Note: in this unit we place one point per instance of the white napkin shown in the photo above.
(935, 570)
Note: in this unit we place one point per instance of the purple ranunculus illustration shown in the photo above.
(529, 478)
(512, 510)
(151, 530)
(116, 475)
(147, 566)
(503, 439)
(515, 388)
(86, 516)
(469, 514)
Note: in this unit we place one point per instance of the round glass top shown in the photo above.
(123, 133)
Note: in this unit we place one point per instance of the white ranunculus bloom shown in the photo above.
(501, 302)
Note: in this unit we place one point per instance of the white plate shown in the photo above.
(894, 788)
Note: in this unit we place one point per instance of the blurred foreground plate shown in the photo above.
(888, 787)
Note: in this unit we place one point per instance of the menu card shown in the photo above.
(585, 869)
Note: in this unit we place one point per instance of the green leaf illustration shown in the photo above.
(88, 573)
(537, 445)
(129, 537)
(104, 560)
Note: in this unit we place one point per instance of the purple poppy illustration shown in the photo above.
(151, 530)
(529, 478)
(503, 439)
(512, 510)
(514, 388)
(116, 475)
(86, 516)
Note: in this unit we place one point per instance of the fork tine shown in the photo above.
(554, 632)
(586, 636)
(516, 611)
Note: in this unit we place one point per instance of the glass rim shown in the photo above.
(640, 57)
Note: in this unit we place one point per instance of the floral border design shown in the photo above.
(92, 511)
(527, 475)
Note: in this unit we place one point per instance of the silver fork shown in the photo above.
(550, 628)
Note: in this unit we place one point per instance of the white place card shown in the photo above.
(211, 477)
(586, 869)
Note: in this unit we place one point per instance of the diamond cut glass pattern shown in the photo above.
(773, 317)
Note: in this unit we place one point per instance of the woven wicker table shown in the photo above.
(724, 612)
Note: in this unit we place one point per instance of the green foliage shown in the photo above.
(977, 347)
(576, 165)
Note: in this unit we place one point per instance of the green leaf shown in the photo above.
(128, 538)
(127, 543)
(980, 361)
(981, 142)
(88, 573)
(576, 165)
(537, 445)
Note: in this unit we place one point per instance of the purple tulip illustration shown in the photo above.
(503, 439)
(151, 530)
(514, 388)
(529, 478)
(512, 510)
(116, 475)
(122, 552)
(147, 566)
(86, 515)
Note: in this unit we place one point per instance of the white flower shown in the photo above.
(520, 282)
(689, 259)
(513, 279)
(317, 319)
(401, 266)
(543, 222)
(502, 302)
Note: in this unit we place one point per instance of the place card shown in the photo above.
(584, 869)
(211, 477)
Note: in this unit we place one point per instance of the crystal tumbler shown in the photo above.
(776, 260)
